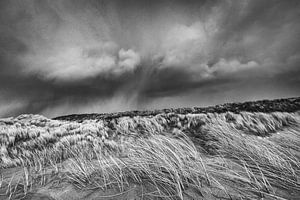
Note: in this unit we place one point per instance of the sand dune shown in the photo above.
(171, 155)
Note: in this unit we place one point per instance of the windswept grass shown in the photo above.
(167, 156)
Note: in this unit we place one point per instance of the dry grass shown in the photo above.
(234, 156)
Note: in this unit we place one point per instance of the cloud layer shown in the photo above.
(61, 57)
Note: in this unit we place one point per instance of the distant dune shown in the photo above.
(245, 150)
(267, 106)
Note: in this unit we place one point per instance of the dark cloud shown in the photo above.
(61, 57)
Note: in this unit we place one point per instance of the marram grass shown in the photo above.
(167, 156)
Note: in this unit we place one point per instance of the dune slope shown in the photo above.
(174, 154)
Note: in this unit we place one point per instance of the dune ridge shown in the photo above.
(172, 155)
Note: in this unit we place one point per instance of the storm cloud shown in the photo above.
(71, 56)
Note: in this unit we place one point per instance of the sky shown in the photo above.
(93, 56)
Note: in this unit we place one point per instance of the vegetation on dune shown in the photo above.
(266, 106)
(167, 156)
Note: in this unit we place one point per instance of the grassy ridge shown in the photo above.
(266, 106)
(227, 155)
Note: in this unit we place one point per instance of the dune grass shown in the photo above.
(169, 156)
